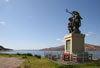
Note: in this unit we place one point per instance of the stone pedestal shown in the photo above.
(74, 43)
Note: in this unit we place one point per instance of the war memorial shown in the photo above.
(74, 49)
(74, 41)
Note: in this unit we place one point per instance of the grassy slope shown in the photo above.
(33, 62)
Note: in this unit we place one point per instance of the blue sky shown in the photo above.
(36, 24)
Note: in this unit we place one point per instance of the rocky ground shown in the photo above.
(10, 62)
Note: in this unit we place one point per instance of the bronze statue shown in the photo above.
(74, 22)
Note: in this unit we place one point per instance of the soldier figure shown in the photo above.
(74, 22)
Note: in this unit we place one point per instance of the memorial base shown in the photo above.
(74, 43)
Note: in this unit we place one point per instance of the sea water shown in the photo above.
(96, 54)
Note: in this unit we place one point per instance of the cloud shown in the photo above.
(60, 39)
(6, 1)
(2, 22)
(89, 33)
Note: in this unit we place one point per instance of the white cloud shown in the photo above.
(60, 39)
(89, 33)
(2, 22)
(7, 1)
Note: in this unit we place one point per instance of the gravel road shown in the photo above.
(10, 62)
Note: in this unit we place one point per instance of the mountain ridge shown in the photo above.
(88, 47)
(4, 49)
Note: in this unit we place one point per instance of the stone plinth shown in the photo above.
(74, 43)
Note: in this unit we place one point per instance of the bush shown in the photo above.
(38, 56)
(18, 54)
(28, 54)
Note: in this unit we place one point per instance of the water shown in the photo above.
(33, 52)
(96, 54)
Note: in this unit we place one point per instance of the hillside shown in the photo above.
(88, 47)
(4, 49)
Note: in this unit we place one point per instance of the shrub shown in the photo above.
(38, 56)
(28, 54)
(18, 54)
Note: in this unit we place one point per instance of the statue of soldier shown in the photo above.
(74, 22)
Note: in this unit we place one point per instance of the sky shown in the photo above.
(37, 24)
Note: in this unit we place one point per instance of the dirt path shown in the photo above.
(10, 62)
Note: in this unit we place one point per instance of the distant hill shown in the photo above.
(4, 49)
(88, 47)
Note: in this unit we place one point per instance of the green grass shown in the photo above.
(87, 65)
(33, 62)
(9, 55)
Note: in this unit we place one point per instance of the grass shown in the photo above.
(33, 62)
(87, 65)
